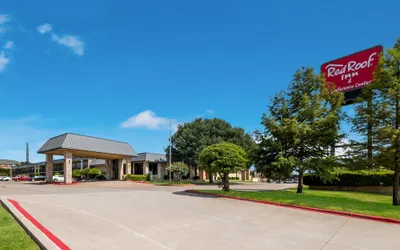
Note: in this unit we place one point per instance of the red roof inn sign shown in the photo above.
(352, 72)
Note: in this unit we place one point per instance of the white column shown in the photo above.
(159, 171)
(146, 167)
(121, 169)
(49, 168)
(108, 166)
(67, 167)
(128, 166)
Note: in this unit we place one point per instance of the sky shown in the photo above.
(124, 69)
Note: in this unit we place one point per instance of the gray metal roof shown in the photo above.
(151, 157)
(87, 143)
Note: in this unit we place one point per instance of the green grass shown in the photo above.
(362, 203)
(12, 236)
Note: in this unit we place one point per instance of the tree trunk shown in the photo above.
(225, 182)
(369, 133)
(396, 198)
(300, 184)
(210, 176)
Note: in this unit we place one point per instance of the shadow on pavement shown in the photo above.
(184, 193)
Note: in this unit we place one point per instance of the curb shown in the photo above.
(320, 210)
(36, 231)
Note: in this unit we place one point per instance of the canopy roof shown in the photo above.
(87, 146)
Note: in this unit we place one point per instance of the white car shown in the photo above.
(5, 178)
(58, 178)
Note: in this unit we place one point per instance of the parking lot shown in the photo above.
(125, 215)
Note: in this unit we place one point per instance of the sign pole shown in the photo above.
(170, 152)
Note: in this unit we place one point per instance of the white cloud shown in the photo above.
(71, 42)
(210, 111)
(3, 18)
(44, 28)
(9, 45)
(3, 61)
(147, 119)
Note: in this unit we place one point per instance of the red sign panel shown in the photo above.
(354, 71)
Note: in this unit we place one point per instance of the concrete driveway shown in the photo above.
(124, 215)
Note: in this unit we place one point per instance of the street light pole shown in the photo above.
(170, 152)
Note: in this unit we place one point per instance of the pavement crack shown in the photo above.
(326, 243)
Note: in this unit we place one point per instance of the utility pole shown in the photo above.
(170, 152)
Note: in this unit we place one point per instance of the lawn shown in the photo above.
(362, 203)
(12, 236)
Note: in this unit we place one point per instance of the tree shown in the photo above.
(179, 169)
(386, 88)
(224, 158)
(192, 137)
(303, 122)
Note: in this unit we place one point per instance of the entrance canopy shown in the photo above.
(87, 146)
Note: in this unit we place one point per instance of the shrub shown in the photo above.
(85, 171)
(352, 178)
(195, 178)
(148, 177)
(101, 177)
(76, 173)
(57, 174)
(234, 178)
(93, 172)
(135, 177)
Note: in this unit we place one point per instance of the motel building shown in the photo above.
(113, 158)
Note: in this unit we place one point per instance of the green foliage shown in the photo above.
(302, 123)
(85, 171)
(5, 172)
(133, 177)
(385, 91)
(101, 177)
(148, 177)
(76, 173)
(352, 178)
(37, 174)
(224, 158)
(192, 137)
(57, 174)
(94, 172)
(179, 169)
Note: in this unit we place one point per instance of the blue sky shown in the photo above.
(123, 69)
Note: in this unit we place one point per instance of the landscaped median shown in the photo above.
(361, 205)
(12, 236)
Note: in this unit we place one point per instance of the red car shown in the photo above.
(22, 178)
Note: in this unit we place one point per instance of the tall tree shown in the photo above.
(192, 137)
(303, 122)
(224, 158)
(387, 91)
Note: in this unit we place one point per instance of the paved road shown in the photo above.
(121, 215)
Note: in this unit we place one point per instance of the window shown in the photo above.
(153, 168)
(138, 168)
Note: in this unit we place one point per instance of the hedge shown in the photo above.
(133, 177)
(76, 173)
(352, 179)
(94, 172)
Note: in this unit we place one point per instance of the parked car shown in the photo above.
(3, 177)
(290, 181)
(58, 178)
(6, 178)
(39, 178)
(22, 178)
